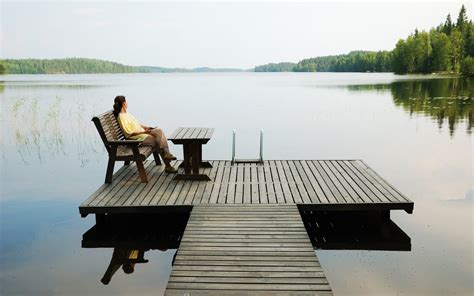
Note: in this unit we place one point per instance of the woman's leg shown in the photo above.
(161, 141)
(153, 140)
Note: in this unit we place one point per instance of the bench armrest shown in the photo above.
(125, 143)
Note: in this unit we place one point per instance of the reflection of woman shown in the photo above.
(125, 258)
(136, 131)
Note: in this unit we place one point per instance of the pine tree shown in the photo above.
(462, 20)
(448, 25)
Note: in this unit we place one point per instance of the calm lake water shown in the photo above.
(415, 131)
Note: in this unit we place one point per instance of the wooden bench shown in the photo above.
(121, 149)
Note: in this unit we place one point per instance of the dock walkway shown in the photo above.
(245, 234)
(311, 184)
(246, 249)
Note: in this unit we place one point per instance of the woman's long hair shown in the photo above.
(118, 103)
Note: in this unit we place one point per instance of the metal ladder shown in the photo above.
(260, 160)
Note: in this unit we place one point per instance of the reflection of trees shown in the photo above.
(445, 100)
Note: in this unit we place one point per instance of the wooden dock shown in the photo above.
(311, 184)
(246, 249)
(245, 235)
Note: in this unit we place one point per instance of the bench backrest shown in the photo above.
(108, 128)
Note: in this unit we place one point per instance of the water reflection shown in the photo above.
(447, 100)
(131, 236)
(45, 127)
(362, 230)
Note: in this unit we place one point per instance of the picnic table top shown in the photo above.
(191, 134)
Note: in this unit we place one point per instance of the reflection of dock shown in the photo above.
(316, 185)
(245, 234)
(259, 249)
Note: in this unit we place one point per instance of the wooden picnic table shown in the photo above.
(192, 139)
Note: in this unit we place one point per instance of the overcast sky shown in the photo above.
(192, 34)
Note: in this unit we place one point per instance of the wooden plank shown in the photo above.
(247, 198)
(320, 196)
(155, 181)
(391, 192)
(288, 197)
(277, 185)
(227, 252)
(247, 253)
(202, 133)
(184, 192)
(158, 197)
(154, 195)
(232, 185)
(176, 292)
(239, 189)
(247, 280)
(245, 258)
(198, 198)
(326, 187)
(231, 286)
(111, 194)
(249, 274)
(253, 262)
(195, 133)
(189, 132)
(254, 183)
(117, 183)
(336, 181)
(269, 183)
(368, 188)
(209, 133)
(291, 182)
(104, 186)
(210, 185)
(132, 190)
(218, 180)
(222, 196)
(360, 196)
(175, 133)
(300, 186)
(262, 187)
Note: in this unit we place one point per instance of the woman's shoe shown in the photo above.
(169, 156)
(171, 170)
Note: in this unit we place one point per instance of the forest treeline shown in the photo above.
(65, 66)
(448, 48)
(87, 66)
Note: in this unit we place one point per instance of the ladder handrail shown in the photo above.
(260, 160)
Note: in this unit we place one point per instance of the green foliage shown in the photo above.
(67, 66)
(468, 66)
(3, 67)
(442, 50)
(280, 67)
(355, 61)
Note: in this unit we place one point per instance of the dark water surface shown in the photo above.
(415, 131)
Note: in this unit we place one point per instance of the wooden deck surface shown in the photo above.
(312, 184)
(249, 249)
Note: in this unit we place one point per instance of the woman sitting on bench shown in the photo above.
(136, 131)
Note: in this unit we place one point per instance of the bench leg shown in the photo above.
(110, 170)
(156, 156)
(141, 171)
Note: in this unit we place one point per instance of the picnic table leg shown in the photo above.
(196, 160)
(187, 158)
(203, 164)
